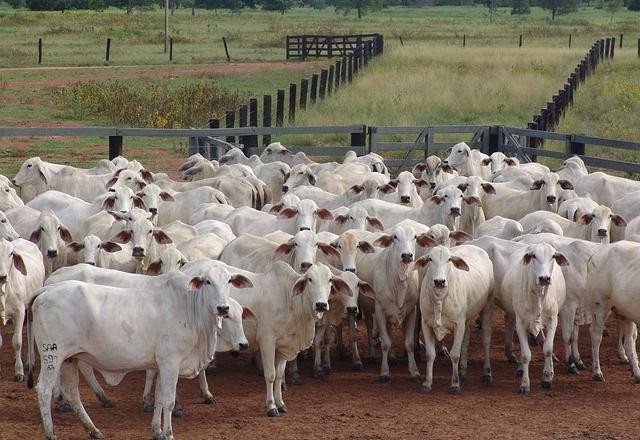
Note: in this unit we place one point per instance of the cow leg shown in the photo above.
(622, 354)
(317, 348)
(49, 376)
(567, 317)
(486, 318)
(430, 355)
(69, 381)
(409, 340)
(340, 342)
(454, 354)
(525, 356)
(464, 352)
(326, 350)
(267, 352)
(575, 352)
(596, 328)
(204, 388)
(18, 322)
(353, 337)
(385, 345)
(292, 371)
(547, 372)
(280, 365)
(147, 397)
(509, 328)
(626, 327)
(167, 382)
(90, 377)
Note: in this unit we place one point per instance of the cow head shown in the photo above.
(402, 242)
(49, 234)
(6, 230)
(317, 284)
(91, 247)
(32, 171)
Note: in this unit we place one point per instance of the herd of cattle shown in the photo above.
(118, 269)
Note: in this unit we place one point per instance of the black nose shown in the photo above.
(405, 199)
(305, 228)
(138, 252)
(407, 258)
(602, 232)
(351, 269)
(445, 162)
(3, 278)
(352, 310)
(439, 283)
(544, 281)
(321, 307)
(432, 185)
(153, 210)
(305, 266)
(52, 254)
(223, 310)
(243, 346)
(455, 212)
(551, 199)
(285, 188)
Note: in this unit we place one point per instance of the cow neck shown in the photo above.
(203, 321)
(400, 274)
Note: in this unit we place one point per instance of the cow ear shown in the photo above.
(288, 213)
(537, 184)
(155, 268)
(43, 174)
(75, 246)
(375, 223)
(486, 161)
(421, 183)
(459, 263)
(460, 236)
(161, 237)
(384, 241)
(138, 202)
(463, 187)
(365, 247)
(35, 236)
(165, 196)
(561, 259)
(196, 283)
(193, 170)
(526, 259)
(472, 200)
(329, 250)
(312, 179)
(109, 202)
(324, 214)
(247, 313)
(123, 237)
(421, 262)
(18, 263)
(282, 250)
(488, 188)
(357, 189)
(111, 181)
(141, 184)
(146, 175)
(586, 219)
(509, 161)
(435, 200)
(366, 290)
(565, 184)
(425, 241)
(419, 168)
(276, 208)
(240, 281)
(446, 168)
(65, 234)
(341, 219)
(387, 188)
(618, 220)
(339, 286)
(299, 287)
(393, 183)
(110, 246)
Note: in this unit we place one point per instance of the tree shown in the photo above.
(279, 5)
(16, 3)
(613, 6)
(519, 7)
(361, 6)
(634, 5)
(559, 7)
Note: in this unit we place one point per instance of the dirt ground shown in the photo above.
(353, 405)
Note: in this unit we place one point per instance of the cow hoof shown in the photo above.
(511, 358)
(598, 377)
(178, 413)
(487, 379)
(415, 379)
(326, 371)
(296, 379)
(148, 407)
(318, 375)
(636, 379)
(357, 366)
(384, 378)
(209, 400)
(519, 373)
(19, 377)
(106, 403)
(524, 391)
(160, 436)
(573, 369)
(455, 390)
(605, 332)
(424, 389)
(581, 365)
(96, 434)
(63, 407)
(273, 412)
(211, 370)
(623, 360)
(282, 409)
(546, 384)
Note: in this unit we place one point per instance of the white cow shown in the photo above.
(217, 227)
(147, 240)
(457, 286)
(8, 197)
(347, 245)
(355, 217)
(404, 190)
(6, 229)
(96, 252)
(576, 207)
(500, 227)
(604, 189)
(466, 161)
(329, 200)
(48, 232)
(572, 169)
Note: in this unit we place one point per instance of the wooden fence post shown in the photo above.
(569, 41)
(638, 47)
(330, 79)
(292, 103)
(621, 36)
(350, 68)
(304, 85)
(314, 88)
(108, 52)
(464, 40)
(339, 69)
(520, 42)
(39, 50)
(354, 57)
(226, 49)
(613, 46)
(606, 47)
(280, 108)
(266, 118)
(343, 72)
(602, 49)
(229, 123)
(170, 48)
(115, 147)
(358, 138)
(288, 47)
(366, 53)
(323, 83)
(242, 122)
(252, 141)
(329, 42)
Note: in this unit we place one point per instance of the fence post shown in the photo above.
(613, 46)
(494, 139)
(292, 103)
(358, 138)
(106, 56)
(304, 85)
(242, 122)
(323, 83)
(287, 45)
(230, 121)
(569, 41)
(373, 142)
(330, 79)
(252, 141)
(39, 50)
(226, 49)
(170, 48)
(314, 88)
(330, 47)
(115, 147)
(339, 69)
(279, 108)
(606, 47)
(343, 72)
(207, 151)
(520, 42)
(638, 47)
(304, 48)
(266, 118)
(350, 68)
(366, 52)
(355, 56)
(464, 40)
(621, 36)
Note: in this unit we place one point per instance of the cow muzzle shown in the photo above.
(544, 280)
(3, 279)
(223, 310)
(153, 211)
(285, 188)
(305, 266)
(352, 311)
(138, 253)
(405, 199)
(406, 258)
(439, 283)
(351, 269)
(454, 212)
(243, 345)
(602, 232)
(551, 200)
(321, 307)
(52, 253)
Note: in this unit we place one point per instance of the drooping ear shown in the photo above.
(526, 259)
(122, 237)
(341, 219)
(565, 184)
(110, 246)
(357, 189)
(247, 313)
(537, 184)
(312, 179)
(421, 183)
(276, 208)
(329, 250)
(154, 268)
(240, 281)
(618, 220)
(486, 161)
(509, 161)
(435, 200)
(384, 241)
(111, 181)
(420, 168)
(561, 259)
(161, 237)
(488, 188)
(117, 173)
(460, 236)
(365, 247)
(146, 175)
(459, 263)
(193, 170)
(324, 214)
(463, 187)
(288, 213)
(109, 202)
(18, 263)
(65, 234)
(299, 287)
(283, 249)
(375, 223)
(165, 196)
(196, 283)
(75, 246)
(35, 236)
(472, 200)
(339, 286)
(141, 184)
(366, 290)
(586, 219)
(387, 188)
(138, 202)
(421, 262)
(446, 168)
(425, 241)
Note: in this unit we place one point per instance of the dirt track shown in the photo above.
(352, 405)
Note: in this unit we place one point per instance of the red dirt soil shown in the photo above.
(351, 405)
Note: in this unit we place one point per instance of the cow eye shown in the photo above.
(350, 218)
(7, 190)
(141, 195)
(42, 228)
(310, 280)
(115, 198)
(208, 282)
(300, 173)
(446, 196)
(395, 237)
(3, 221)
(29, 166)
(150, 231)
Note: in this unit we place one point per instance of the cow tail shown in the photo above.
(30, 343)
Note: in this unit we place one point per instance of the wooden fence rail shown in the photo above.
(328, 46)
